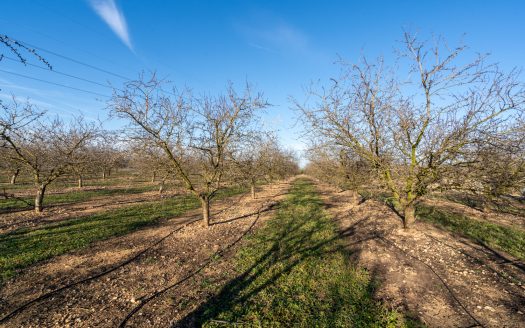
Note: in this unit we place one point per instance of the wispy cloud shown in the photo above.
(274, 36)
(268, 32)
(284, 34)
(53, 101)
(7, 85)
(113, 16)
(258, 46)
(58, 108)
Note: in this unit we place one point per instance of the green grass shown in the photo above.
(507, 239)
(122, 177)
(295, 272)
(26, 246)
(70, 197)
(502, 204)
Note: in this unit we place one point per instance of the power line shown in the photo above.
(59, 72)
(30, 29)
(54, 83)
(70, 75)
(74, 60)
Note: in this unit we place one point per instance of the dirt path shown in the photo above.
(182, 248)
(438, 278)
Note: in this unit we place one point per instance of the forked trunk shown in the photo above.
(39, 199)
(409, 216)
(15, 176)
(205, 203)
(103, 174)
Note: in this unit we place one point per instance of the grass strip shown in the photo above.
(26, 246)
(507, 239)
(71, 197)
(294, 271)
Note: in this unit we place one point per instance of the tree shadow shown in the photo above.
(292, 242)
(267, 209)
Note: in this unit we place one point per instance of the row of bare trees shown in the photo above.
(47, 148)
(433, 121)
(339, 167)
(203, 143)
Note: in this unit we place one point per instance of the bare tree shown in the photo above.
(261, 158)
(499, 166)
(415, 133)
(84, 163)
(283, 162)
(107, 154)
(48, 149)
(151, 161)
(252, 159)
(195, 134)
(10, 167)
(338, 167)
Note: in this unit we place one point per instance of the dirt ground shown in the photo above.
(159, 275)
(152, 277)
(433, 276)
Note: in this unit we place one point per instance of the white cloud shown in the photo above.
(285, 35)
(272, 36)
(113, 16)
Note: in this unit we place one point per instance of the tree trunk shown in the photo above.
(80, 181)
(39, 199)
(409, 214)
(205, 203)
(161, 187)
(14, 176)
(103, 174)
(252, 189)
(153, 176)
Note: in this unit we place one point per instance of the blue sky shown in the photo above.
(279, 46)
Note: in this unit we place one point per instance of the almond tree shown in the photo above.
(283, 163)
(150, 160)
(11, 167)
(499, 166)
(106, 153)
(48, 149)
(252, 160)
(84, 163)
(195, 134)
(338, 167)
(416, 129)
